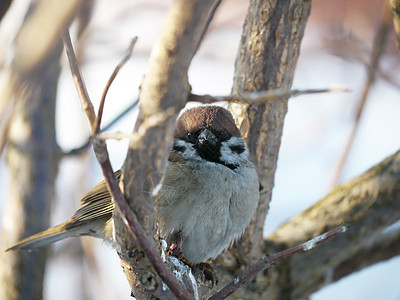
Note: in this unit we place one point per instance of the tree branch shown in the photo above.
(27, 105)
(261, 96)
(380, 41)
(266, 261)
(385, 246)
(35, 40)
(87, 105)
(110, 81)
(368, 203)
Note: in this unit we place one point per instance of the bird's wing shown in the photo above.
(96, 204)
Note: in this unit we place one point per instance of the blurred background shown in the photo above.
(336, 50)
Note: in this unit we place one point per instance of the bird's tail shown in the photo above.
(42, 238)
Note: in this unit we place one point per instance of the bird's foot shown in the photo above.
(176, 246)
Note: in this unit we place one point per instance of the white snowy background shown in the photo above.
(316, 130)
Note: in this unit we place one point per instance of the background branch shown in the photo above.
(36, 39)
(378, 48)
(27, 109)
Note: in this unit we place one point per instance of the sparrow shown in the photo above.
(208, 195)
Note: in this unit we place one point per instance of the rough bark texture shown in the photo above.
(269, 49)
(163, 93)
(32, 157)
(369, 204)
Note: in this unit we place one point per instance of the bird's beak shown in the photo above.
(207, 139)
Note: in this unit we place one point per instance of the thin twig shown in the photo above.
(350, 48)
(87, 105)
(264, 96)
(114, 136)
(210, 17)
(127, 215)
(266, 261)
(380, 41)
(126, 57)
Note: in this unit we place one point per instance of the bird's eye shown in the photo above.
(189, 136)
(224, 135)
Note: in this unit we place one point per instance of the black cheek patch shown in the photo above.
(178, 148)
(237, 148)
(230, 166)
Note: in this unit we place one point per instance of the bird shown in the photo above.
(208, 195)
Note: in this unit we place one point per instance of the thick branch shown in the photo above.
(37, 37)
(164, 92)
(32, 158)
(27, 109)
(269, 50)
(368, 203)
(266, 261)
(384, 247)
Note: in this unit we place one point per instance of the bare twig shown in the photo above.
(207, 23)
(380, 41)
(266, 261)
(114, 136)
(262, 97)
(126, 57)
(348, 47)
(126, 213)
(87, 105)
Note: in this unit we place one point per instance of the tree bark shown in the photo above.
(32, 157)
(32, 153)
(268, 54)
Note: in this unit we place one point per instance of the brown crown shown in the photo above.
(212, 117)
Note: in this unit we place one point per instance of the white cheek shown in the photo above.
(230, 157)
(189, 153)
